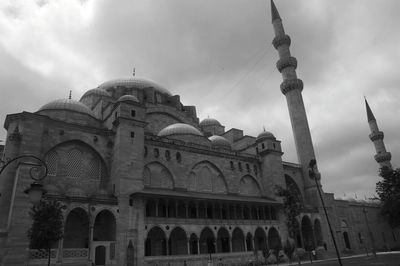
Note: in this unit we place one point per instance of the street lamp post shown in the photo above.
(36, 190)
(313, 173)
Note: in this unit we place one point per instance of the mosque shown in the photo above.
(144, 182)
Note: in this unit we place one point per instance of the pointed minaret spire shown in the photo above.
(370, 115)
(382, 156)
(274, 12)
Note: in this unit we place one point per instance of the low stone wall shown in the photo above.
(237, 258)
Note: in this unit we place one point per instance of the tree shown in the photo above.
(47, 225)
(388, 190)
(291, 207)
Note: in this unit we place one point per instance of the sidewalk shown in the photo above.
(307, 262)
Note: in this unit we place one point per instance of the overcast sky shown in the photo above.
(218, 56)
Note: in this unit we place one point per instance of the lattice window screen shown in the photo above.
(93, 170)
(73, 162)
(52, 163)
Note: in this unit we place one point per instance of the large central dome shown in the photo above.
(134, 82)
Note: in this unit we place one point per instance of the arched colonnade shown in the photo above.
(180, 242)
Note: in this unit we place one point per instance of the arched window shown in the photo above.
(104, 226)
(307, 233)
(260, 239)
(207, 241)
(167, 155)
(237, 240)
(274, 240)
(156, 152)
(223, 245)
(318, 233)
(156, 244)
(178, 157)
(76, 230)
(346, 240)
(177, 242)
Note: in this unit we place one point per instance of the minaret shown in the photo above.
(291, 87)
(382, 156)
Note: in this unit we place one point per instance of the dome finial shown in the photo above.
(70, 94)
(134, 71)
(264, 128)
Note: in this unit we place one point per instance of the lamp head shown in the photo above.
(35, 192)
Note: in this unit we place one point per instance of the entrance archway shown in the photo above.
(100, 255)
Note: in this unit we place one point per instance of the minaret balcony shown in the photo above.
(280, 40)
(286, 62)
(291, 84)
(383, 157)
(376, 135)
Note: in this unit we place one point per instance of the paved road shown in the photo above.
(383, 259)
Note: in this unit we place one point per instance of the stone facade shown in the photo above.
(144, 182)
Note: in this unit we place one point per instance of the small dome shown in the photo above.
(219, 141)
(179, 129)
(75, 192)
(96, 91)
(67, 104)
(134, 82)
(210, 122)
(265, 135)
(128, 98)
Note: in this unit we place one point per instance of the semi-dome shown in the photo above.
(265, 135)
(179, 129)
(67, 104)
(218, 141)
(128, 98)
(96, 91)
(210, 122)
(134, 82)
